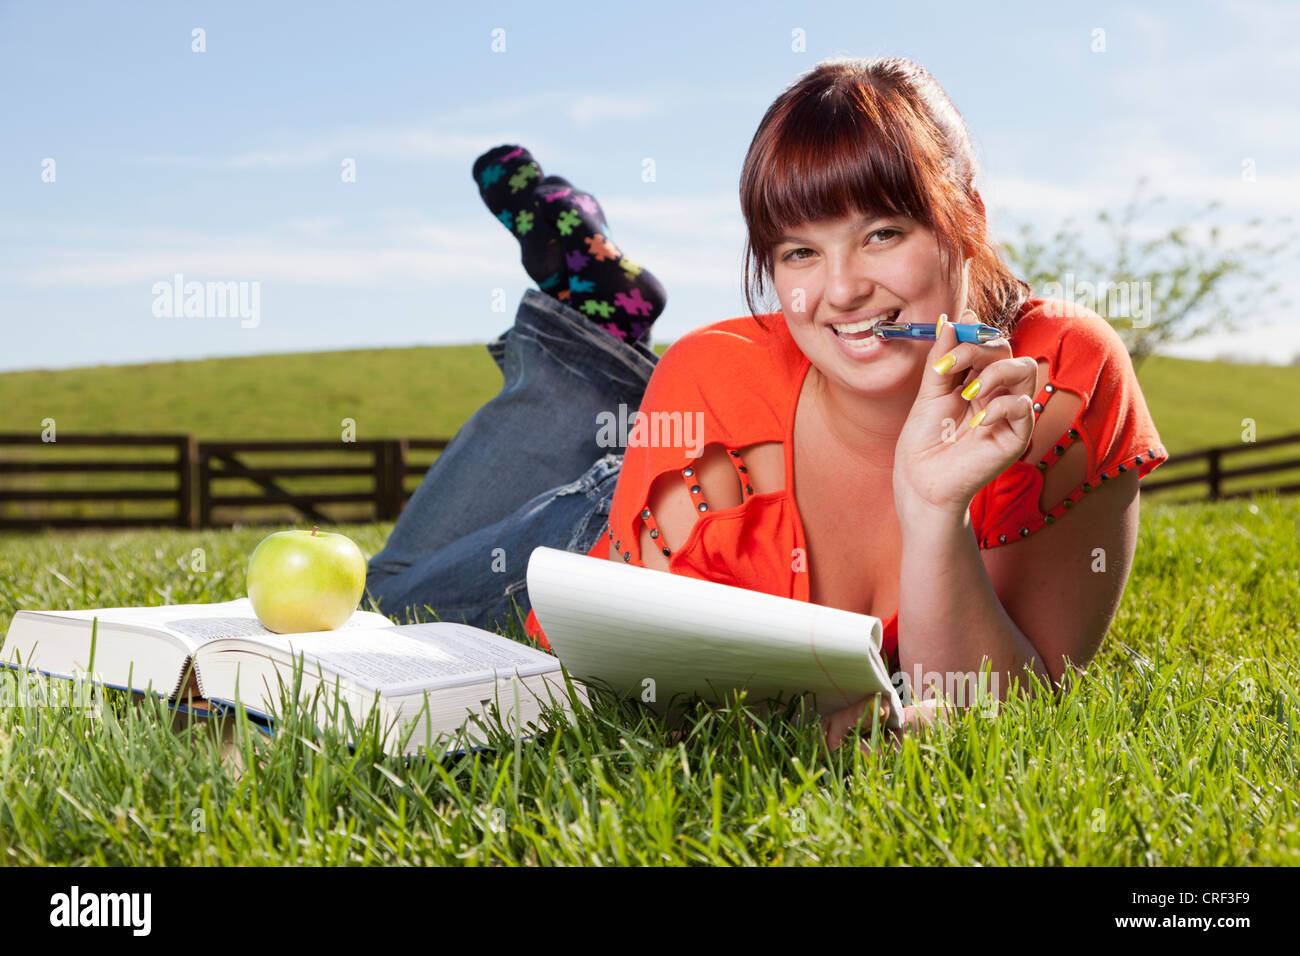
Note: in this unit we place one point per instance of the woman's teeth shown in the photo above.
(856, 331)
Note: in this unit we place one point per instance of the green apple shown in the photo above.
(305, 581)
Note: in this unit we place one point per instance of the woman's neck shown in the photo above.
(865, 429)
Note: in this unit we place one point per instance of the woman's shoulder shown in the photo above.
(1080, 441)
(1076, 342)
(735, 367)
(732, 339)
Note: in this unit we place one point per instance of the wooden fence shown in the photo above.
(1215, 474)
(202, 468)
(202, 472)
(41, 463)
(387, 467)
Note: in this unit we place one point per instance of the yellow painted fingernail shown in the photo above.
(945, 364)
(979, 417)
(971, 390)
(938, 329)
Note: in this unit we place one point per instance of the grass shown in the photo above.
(428, 392)
(421, 392)
(1179, 746)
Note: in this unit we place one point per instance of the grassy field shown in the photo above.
(422, 391)
(387, 393)
(1179, 746)
(429, 392)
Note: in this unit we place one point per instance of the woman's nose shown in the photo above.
(847, 283)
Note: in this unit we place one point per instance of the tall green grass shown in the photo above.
(1179, 745)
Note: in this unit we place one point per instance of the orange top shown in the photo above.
(746, 382)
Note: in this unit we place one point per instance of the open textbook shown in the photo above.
(429, 679)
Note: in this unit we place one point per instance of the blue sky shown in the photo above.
(225, 165)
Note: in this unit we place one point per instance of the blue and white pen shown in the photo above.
(966, 331)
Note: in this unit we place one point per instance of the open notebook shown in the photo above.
(653, 635)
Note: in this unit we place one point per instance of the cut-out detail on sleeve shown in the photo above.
(653, 530)
(694, 489)
(706, 490)
(1030, 518)
(1060, 461)
(737, 383)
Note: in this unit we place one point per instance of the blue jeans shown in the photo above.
(524, 471)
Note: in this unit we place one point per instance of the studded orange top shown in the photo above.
(746, 382)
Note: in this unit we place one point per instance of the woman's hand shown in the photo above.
(837, 725)
(940, 461)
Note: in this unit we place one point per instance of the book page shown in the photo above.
(655, 635)
(196, 624)
(413, 657)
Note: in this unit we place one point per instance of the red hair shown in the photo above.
(876, 137)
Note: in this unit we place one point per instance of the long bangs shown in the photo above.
(836, 144)
(828, 158)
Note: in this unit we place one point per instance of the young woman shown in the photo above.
(927, 483)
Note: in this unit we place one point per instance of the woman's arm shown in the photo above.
(1033, 602)
(1036, 601)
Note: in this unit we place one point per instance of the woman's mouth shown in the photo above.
(859, 341)
(858, 331)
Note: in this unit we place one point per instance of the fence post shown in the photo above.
(1215, 473)
(390, 465)
(381, 462)
(186, 462)
(398, 478)
(205, 487)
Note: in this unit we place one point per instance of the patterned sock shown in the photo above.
(609, 288)
(506, 177)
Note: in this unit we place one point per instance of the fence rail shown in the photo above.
(1215, 474)
(203, 472)
(202, 468)
(182, 465)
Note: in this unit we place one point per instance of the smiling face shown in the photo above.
(844, 270)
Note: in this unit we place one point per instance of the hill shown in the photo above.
(429, 391)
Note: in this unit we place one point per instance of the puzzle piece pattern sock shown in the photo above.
(612, 290)
(507, 177)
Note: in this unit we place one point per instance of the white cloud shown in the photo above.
(684, 239)
(592, 107)
(335, 267)
(449, 135)
(1153, 31)
(1169, 175)
(674, 213)
(393, 143)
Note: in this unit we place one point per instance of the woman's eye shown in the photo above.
(794, 255)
